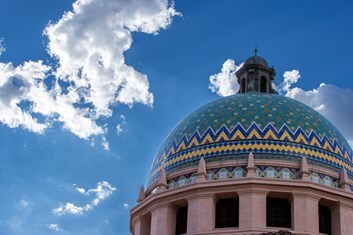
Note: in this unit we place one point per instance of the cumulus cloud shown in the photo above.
(54, 227)
(333, 102)
(103, 191)
(289, 78)
(19, 84)
(90, 75)
(24, 97)
(2, 46)
(225, 83)
(126, 206)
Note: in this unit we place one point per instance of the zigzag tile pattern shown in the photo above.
(265, 124)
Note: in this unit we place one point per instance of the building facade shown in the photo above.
(251, 163)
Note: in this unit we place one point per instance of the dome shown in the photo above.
(256, 60)
(271, 126)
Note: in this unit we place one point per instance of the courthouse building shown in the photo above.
(255, 162)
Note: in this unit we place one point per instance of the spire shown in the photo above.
(304, 169)
(162, 181)
(142, 194)
(201, 171)
(255, 51)
(344, 180)
(251, 169)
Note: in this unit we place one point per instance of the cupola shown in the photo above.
(256, 75)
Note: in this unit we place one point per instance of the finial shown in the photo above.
(142, 195)
(304, 169)
(251, 169)
(162, 181)
(255, 50)
(201, 171)
(344, 180)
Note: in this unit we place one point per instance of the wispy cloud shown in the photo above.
(103, 191)
(54, 227)
(2, 46)
(105, 144)
(120, 128)
(91, 76)
(15, 224)
(23, 203)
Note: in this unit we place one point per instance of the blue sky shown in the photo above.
(79, 130)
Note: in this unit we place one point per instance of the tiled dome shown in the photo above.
(269, 125)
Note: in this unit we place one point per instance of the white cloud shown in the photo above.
(126, 206)
(2, 46)
(23, 203)
(333, 102)
(18, 84)
(69, 208)
(81, 190)
(120, 128)
(225, 83)
(105, 144)
(25, 83)
(90, 76)
(54, 227)
(289, 78)
(103, 191)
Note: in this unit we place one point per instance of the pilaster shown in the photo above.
(141, 226)
(201, 213)
(252, 209)
(163, 219)
(305, 213)
(342, 219)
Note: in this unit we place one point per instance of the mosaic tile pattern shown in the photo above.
(277, 172)
(226, 173)
(261, 171)
(351, 187)
(268, 125)
(324, 180)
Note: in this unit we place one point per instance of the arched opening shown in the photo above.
(243, 90)
(263, 86)
(181, 220)
(227, 213)
(278, 212)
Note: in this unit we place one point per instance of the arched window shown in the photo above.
(263, 87)
(227, 213)
(181, 220)
(324, 220)
(243, 84)
(278, 213)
